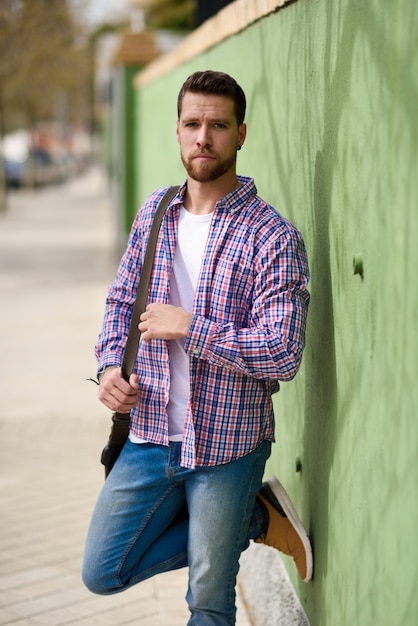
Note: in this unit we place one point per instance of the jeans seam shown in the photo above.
(140, 530)
(148, 573)
(241, 538)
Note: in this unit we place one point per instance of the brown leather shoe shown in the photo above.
(284, 530)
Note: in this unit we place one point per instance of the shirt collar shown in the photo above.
(231, 202)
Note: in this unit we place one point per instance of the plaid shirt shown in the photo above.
(247, 333)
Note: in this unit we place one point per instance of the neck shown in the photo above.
(201, 198)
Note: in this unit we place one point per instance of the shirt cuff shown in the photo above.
(200, 336)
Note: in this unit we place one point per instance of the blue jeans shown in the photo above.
(153, 516)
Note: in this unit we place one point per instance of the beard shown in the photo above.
(209, 171)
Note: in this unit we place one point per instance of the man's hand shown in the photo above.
(164, 321)
(116, 393)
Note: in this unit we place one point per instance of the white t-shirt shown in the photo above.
(192, 235)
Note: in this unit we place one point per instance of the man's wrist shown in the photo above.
(188, 319)
(104, 369)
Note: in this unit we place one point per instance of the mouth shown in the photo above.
(203, 157)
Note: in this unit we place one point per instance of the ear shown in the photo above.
(177, 130)
(242, 133)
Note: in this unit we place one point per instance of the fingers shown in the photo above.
(148, 324)
(116, 393)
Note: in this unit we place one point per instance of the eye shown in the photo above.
(220, 125)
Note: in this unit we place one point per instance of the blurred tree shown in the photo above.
(177, 15)
(46, 65)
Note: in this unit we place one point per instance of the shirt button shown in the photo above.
(195, 351)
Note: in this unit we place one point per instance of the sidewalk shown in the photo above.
(55, 266)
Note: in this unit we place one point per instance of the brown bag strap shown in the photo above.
(134, 335)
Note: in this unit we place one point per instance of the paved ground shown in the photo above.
(55, 265)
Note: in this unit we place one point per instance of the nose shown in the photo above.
(203, 137)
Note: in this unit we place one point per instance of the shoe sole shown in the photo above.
(287, 506)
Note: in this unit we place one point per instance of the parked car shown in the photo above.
(27, 166)
(14, 172)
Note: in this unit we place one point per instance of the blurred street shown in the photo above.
(56, 262)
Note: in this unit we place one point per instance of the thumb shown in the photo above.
(134, 381)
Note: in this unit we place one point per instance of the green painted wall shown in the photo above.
(332, 90)
(119, 145)
(129, 162)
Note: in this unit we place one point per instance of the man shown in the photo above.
(225, 320)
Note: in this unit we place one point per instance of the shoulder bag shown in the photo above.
(120, 421)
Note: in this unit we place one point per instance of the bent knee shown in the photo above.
(98, 583)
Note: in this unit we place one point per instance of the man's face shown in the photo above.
(209, 136)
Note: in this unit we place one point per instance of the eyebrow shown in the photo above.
(215, 120)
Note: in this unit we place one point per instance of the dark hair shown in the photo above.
(215, 83)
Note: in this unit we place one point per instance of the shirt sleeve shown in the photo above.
(271, 346)
(119, 303)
